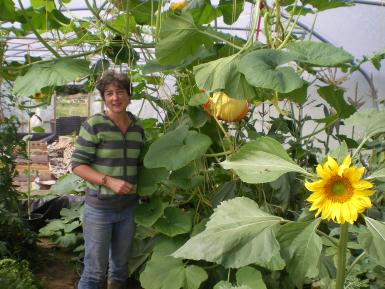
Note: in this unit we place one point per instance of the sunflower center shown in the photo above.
(338, 189)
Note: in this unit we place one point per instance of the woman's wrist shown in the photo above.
(104, 180)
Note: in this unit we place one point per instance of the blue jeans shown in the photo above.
(108, 234)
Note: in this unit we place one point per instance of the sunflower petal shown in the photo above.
(345, 164)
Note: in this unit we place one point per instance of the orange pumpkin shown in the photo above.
(178, 5)
(223, 107)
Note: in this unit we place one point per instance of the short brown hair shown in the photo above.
(111, 77)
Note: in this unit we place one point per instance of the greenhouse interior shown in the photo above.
(192, 144)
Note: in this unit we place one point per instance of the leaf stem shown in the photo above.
(318, 131)
(359, 257)
(218, 154)
(360, 146)
(341, 256)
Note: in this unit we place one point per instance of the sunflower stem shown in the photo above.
(341, 262)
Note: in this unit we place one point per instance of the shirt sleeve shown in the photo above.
(85, 146)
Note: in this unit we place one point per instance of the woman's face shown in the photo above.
(116, 98)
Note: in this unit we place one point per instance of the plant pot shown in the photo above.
(35, 222)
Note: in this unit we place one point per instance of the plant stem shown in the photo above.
(360, 146)
(318, 131)
(218, 154)
(355, 262)
(341, 255)
(29, 171)
(38, 36)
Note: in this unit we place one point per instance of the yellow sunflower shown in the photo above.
(340, 193)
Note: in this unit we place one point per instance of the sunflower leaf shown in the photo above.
(238, 234)
(371, 122)
(301, 249)
(374, 241)
(261, 161)
(377, 174)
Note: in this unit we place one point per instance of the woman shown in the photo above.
(106, 156)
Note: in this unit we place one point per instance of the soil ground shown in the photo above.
(56, 269)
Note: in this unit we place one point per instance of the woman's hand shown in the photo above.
(120, 187)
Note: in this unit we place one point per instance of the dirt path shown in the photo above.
(56, 270)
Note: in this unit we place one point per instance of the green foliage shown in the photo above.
(263, 68)
(261, 161)
(250, 173)
(319, 54)
(7, 10)
(335, 97)
(16, 274)
(68, 184)
(58, 72)
(176, 149)
(174, 222)
(223, 74)
(16, 238)
(165, 272)
(239, 233)
(66, 231)
(179, 38)
(374, 240)
(371, 122)
(301, 249)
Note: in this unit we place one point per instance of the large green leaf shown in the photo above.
(214, 75)
(7, 10)
(142, 10)
(147, 214)
(176, 149)
(371, 122)
(250, 277)
(261, 161)
(223, 74)
(230, 10)
(58, 72)
(322, 5)
(202, 11)
(301, 249)
(48, 5)
(148, 179)
(179, 38)
(298, 95)
(153, 66)
(335, 97)
(165, 272)
(174, 222)
(319, 53)
(67, 184)
(238, 234)
(185, 178)
(264, 68)
(374, 241)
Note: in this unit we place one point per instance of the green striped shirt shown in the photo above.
(103, 147)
